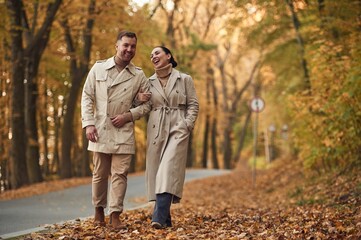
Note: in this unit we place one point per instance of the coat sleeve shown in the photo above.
(192, 102)
(88, 99)
(141, 109)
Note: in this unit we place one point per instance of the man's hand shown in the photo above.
(121, 119)
(91, 133)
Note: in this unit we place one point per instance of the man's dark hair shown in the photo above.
(127, 34)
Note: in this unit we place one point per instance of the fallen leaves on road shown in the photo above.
(281, 205)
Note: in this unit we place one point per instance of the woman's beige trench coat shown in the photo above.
(172, 118)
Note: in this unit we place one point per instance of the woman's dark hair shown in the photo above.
(171, 60)
(127, 34)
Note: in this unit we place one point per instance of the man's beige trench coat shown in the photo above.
(172, 118)
(107, 93)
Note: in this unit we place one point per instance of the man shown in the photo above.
(108, 109)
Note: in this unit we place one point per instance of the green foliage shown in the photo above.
(326, 124)
(274, 26)
(186, 53)
(198, 44)
(329, 134)
(285, 61)
(260, 162)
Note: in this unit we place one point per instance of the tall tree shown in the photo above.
(207, 119)
(25, 61)
(79, 66)
(231, 102)
(297, 25)
(214, 127)
(18, 170)
(36, 38)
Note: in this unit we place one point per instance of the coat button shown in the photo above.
(153, 125)
(154, 142)
(177, 91)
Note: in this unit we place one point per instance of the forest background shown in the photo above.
(302, 57)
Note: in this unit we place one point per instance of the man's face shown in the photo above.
(126, 48)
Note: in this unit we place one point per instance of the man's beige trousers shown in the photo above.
(117, 166)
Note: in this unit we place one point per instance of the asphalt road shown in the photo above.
(22, 216)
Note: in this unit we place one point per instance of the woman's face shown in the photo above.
(159, 58)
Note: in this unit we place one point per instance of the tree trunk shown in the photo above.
(205, 143)
(242, 137)
(28, 59)
(78, 72)
(36, 44)
(5, 119)
(44, 126)
(209, 80)
(31, 95)
(227, 145)
(214, 144)
(55, 168)
(297, 25)
(67, 131)
(68, 128)
(18, 168)
(214, 120)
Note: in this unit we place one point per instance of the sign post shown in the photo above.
(257, 105)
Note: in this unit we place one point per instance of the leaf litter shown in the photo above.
(282, 204)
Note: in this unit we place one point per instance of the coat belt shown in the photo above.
(165, 109)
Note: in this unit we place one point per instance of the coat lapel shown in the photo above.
(123, 76)
(127, 73)
(174, 76)
(156, 84)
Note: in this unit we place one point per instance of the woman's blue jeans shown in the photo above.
(161, 213)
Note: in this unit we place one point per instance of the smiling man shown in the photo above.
(109, 109)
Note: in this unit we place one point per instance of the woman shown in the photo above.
(172, 118)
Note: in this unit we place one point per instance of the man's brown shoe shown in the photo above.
(115, 221)
(99, 218)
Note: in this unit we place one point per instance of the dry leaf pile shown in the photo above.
(281, 205)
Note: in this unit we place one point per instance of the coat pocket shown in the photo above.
(182, 99)
(101, 75)
(123, 135)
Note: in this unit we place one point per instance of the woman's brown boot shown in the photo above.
(99, 218)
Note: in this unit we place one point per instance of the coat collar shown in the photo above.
(128, 73)
(111, 63)
(174, 76)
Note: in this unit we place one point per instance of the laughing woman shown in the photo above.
(174, 112)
